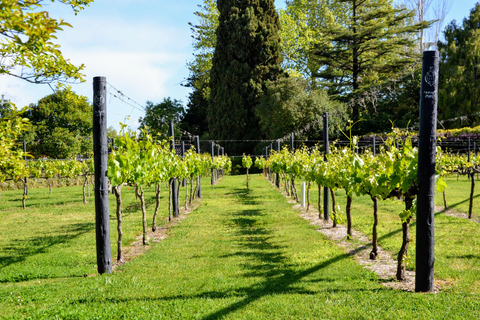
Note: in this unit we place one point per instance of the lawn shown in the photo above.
(243, 254)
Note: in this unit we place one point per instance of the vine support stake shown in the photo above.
(100, 156)
(25, 158)
(374, 146)
(427, 141)
(197, 146)
(277, 175)
(212, 151)
(174, 181)
(326, 150)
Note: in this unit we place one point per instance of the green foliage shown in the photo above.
(289, 104)
(158, 116)
(302, 21)
(12, 164)
(247, 53)
(247, 161)
(61, 125)
(459, 72)
(26, 47)
(374, 42)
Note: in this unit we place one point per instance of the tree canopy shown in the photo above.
(27, 48)
(61, 125)
(158, 116)
(459, 80)
(246, 55)
(375, 41)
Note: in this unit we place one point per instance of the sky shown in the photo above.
(140, 46)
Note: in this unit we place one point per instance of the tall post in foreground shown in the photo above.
(427, 141)
(197, 147)
(326, 150)
(174, 181)
(100, 158)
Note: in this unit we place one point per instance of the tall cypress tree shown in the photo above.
(246, 55)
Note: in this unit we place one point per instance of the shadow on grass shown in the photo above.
(20, 250)
(245, 196)
(451, 206)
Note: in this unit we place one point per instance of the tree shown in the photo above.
(11, 154)
(158, 116)
(26, 47)
(61, 125)
(459, 98)
(246, 55)
(375, 42)
(422, 8)
(6, 107)
(302, 21)
(290, 104)
(204, 41)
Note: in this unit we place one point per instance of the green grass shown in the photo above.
(243, 254)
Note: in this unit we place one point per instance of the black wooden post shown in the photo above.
(100, 158)
(197, 146)
(427, 140)
(469, 148)
(174, 182)
(374, 147)
(326, 150)
(212, 151)
(183, 156)
(292, 143)
(277, 175)
(25, 158)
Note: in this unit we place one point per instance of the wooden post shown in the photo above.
(326, 150)
(197, 146)
(174, 181)
(100, 156)
(427, 141)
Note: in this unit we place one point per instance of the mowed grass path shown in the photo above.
(244, 254)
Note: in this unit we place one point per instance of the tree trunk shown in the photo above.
(374, 252)
(49, 185)
(25, 191)
(319, 201)
(294, 189)
(472, 191)
(191, 191)
(247, 178)
(334, 208)
(170, 182)
(118, 195)
(349, 217)
(84, 188)
(140, 195)
(402, 254)
(308, 195)
(445, 200)
(186, 194)
(157, 206)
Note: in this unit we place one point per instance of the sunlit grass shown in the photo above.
(243, 254)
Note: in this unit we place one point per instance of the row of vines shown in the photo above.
(140, 161)
(391, 173)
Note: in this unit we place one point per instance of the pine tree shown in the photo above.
(376, 41)
(246, 55)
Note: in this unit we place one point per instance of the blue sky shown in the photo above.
(140, 46)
